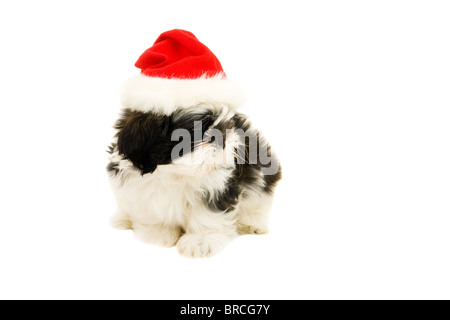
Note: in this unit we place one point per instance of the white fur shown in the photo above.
(142, 93)
(165, 208)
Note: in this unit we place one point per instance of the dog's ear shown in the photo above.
(144, 139)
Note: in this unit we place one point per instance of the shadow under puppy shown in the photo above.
(185, 167)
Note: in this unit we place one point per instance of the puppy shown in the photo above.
(186, 168)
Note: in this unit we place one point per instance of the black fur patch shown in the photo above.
(145, 138)
(111, 148)
(113, 168)
(227, 199)
(271, 181)
(247, 171)
(250, 172)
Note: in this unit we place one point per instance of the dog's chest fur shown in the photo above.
(165, 197)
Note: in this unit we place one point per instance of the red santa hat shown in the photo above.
(179, 71)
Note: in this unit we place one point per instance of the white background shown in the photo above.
(353, 95)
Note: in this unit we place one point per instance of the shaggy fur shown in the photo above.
(201, 199)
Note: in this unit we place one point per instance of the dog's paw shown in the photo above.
(120, 221)
(201, 245)
(246, 229)
(162, 236)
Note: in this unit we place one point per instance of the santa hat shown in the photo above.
(179, 71)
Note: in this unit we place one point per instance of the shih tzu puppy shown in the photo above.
(186, 168)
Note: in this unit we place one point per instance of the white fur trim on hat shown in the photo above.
(164, 96)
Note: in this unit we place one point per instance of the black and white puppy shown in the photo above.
(186, 168)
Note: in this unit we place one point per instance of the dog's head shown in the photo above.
(187, 138)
